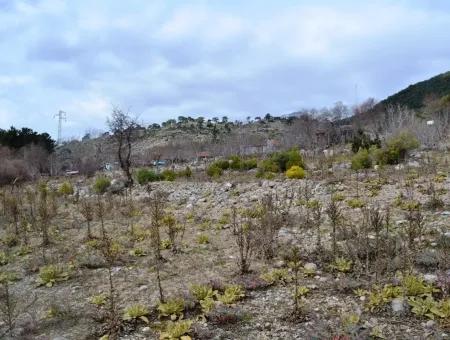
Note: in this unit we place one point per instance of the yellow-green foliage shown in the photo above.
(232, 294)
(355, 203)
(440, 177)
(302, 291)
(135, 312)
(138, 252)
(66, 189)
(207, 304)
(3, 258)
(203, 239)
(415, 286)
(295, 172)
(165, 244)
(101, 184)
(202, 292)
(177, 330)
(98, 300)
(427, 306)
(338, 197)
(342, 265)
(277, 276)
(173, 307)
(51, 274)
(378, 297)
(214, 171)
(361, 160)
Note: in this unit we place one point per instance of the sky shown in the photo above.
(160, 59)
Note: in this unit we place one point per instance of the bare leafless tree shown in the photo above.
(122, 127)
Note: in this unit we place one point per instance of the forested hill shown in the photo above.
(414, 95)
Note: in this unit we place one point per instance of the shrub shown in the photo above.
(249, 164)
(66, 189)
(235, 163)
(187, 172)
(295, 172)
(214, 171)
(363, 141)
(361, 160)
(286, 159)
(397, 147)
(101, 184)
(169, 175)
(145, 176)
(222, 164)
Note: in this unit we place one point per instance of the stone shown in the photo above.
(430, 278)
(117, 185)
(310, 266)
(430, 323)
(146, 330)
(398, 305)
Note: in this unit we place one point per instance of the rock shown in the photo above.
(414, 164)
(430, 278)
(398, 305)
(445, 213)
(427, 258)
(310, 267)
(146, 330)
(117, 185)
(430, 323)
(228, 186)
(279, 264)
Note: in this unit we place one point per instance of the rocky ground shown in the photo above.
(208, 254)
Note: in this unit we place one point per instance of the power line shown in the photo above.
(61, 115)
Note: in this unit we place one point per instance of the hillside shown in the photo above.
(414, 95)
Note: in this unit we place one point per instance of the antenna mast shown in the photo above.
(61, 115)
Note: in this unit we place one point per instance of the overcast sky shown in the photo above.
(168, 58)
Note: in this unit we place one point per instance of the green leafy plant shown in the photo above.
(138, 252)
(361, 160)
(135, 312)
(202, 292)
(51, 274)
(342, 265)
(166, 244)
(173, 308)
(66, 189)
(169, 175)
(415, 286)
(277, 276)
(145, 176)
(177, 330)
(203, 239)
(295, 172)
(355, 203)
(423, 306)
(99, 300)
(302, 291)
(207, 304)
(214, 171)
(232, 294)
(3, 258)
(101, 184)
